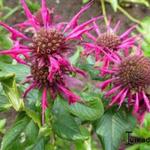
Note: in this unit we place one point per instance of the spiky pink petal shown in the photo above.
(76, 35)
(146, 101)
(72, 98)
(73, 22)
(112, 91)
(31, 87)
(14, 32)
(45, 15)
(127, 32)
(136, 104)
(104, 84)
(83, 25)
(114, 100)
(96, 28)
(116, 26)
(123, 97)
(54, 67)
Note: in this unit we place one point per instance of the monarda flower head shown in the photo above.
(46, 51)
(130, 80)
(107, 44)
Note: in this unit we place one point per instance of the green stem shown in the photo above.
(11, 12)
(104, 11)
(128, 15)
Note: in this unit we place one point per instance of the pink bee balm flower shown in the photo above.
(107, 44)
(130, 82)
(49, 37)
(45, 52)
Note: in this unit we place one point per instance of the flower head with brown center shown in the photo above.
(48, 41)
(134, 73)
(108, 40)
(130, 81)
(45, 51)
(109, 44)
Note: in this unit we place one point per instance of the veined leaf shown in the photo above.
(64, 124)
(22, 134)
(9, 86)
(4, 103)
(91, 110)
(21, 71)
(111, 128)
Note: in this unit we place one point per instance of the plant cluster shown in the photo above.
(70, 80)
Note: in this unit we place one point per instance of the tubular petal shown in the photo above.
(73, 22)
(31, 87)
(116, 97)
(136, 104)
(112, 91)
(72, 98)
(14, 32)
(127, 32)
(146, 101)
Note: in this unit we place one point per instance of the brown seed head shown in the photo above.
(108, 40)
(134, 73)
(47, 41)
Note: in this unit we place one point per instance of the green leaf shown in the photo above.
(33, 6)
(144, 29)
(114, 4)
(13, 133)
(2, 125)
(64, 124)
(90, 69)
(85, 1)
(110, 129)
(4, 103)
(5, 42)
(34, 115)
(38, 145)
(91, 110)
(11, 91)
(5, 59)
(21, 71)
(22, 134)
(144, 2)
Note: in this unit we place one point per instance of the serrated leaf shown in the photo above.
(38, 145)
(4, 103)
(22, 134)
(21, 71)
(64, 124)
(34, 115)
(111, 128)
(9, 86)
(91, 110)
(13, 133)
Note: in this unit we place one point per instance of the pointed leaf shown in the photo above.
(9, 86)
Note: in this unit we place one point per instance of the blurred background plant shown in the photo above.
(81, 126)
